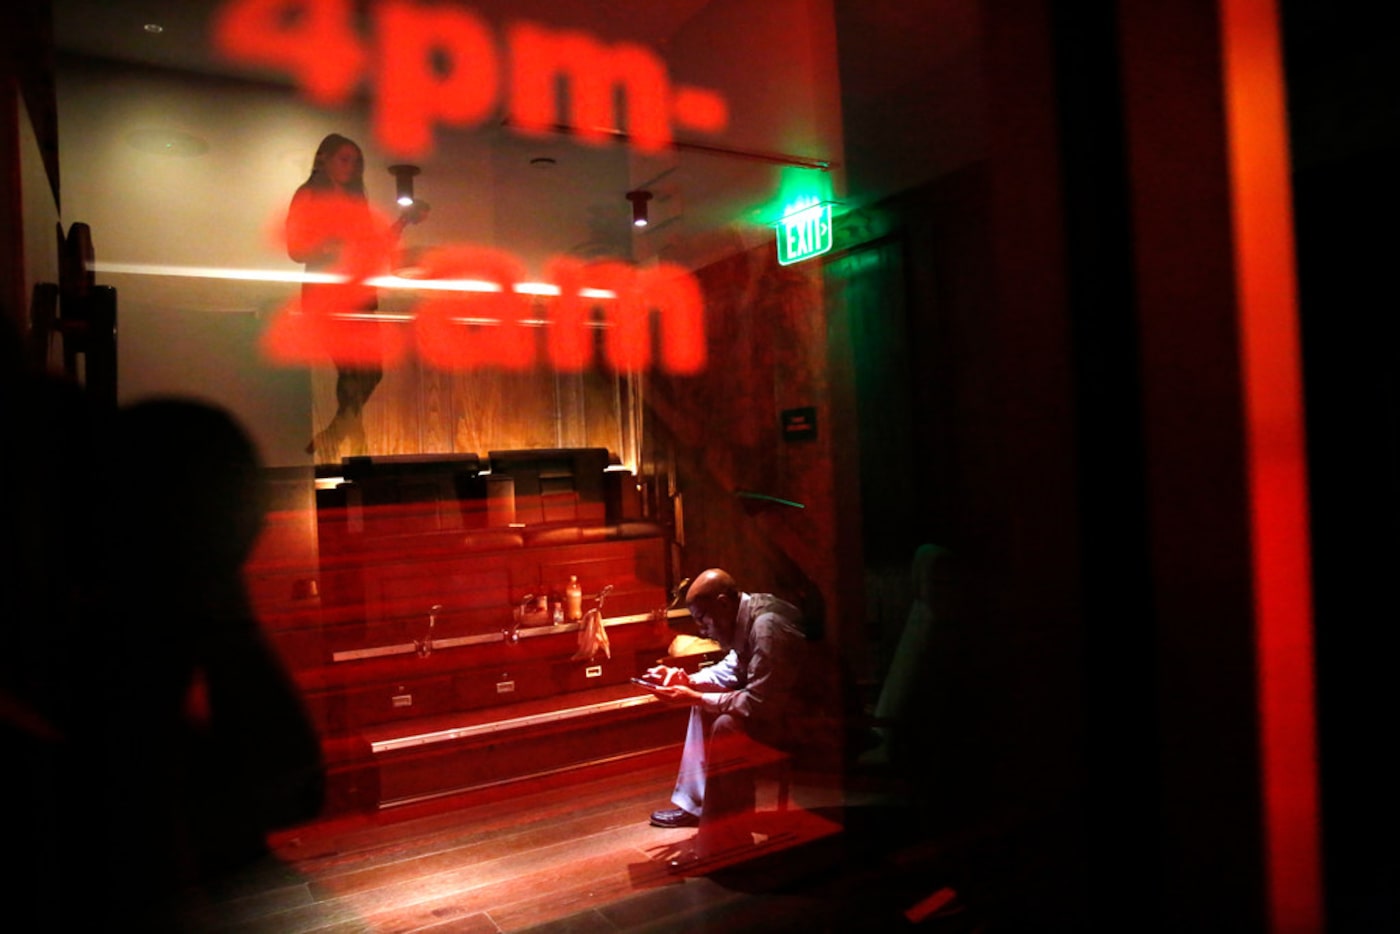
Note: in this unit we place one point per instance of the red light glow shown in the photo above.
(1268, 323)
(488, 324)
(431, 65)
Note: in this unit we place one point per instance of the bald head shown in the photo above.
(713, 600)
(711, 584)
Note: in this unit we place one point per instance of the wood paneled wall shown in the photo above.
(715, 437)
(418, 409)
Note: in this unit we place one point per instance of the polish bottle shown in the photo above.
(573, 600)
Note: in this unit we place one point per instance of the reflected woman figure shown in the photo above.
(331, 229)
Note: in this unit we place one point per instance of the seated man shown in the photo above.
(746, 695)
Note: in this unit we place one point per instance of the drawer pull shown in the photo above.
(505, 687)
(593, 671)
(401, 700)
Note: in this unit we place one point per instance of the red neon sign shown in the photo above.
(436, 64)
(433, 65)
(461, 330)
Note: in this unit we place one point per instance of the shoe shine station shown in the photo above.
(474, 621)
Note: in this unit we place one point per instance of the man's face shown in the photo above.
(714, 618)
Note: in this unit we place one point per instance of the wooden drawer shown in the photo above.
(388, 702)
(579, 676)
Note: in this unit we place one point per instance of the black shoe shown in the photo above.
(674, 817)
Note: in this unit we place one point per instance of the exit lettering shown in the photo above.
(804, 233)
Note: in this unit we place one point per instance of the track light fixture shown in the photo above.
(639, 201)
(403, 178)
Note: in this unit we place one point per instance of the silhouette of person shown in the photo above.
(330, 229)
(201, 740)
(916, 677)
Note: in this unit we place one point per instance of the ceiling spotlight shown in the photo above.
(639, 201)
(403, 178)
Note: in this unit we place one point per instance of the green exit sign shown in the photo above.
(804, 231)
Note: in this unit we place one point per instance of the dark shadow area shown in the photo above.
(1342, 97)
(155, 738)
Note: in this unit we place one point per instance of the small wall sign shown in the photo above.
(800, 424)
(804, 231)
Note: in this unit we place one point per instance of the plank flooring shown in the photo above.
(568, 853)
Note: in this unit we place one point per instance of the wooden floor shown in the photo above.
(570, 853)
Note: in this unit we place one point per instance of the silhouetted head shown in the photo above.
(713, 601)
(188, 484)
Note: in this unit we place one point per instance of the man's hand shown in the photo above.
(666, 676)
(679, 694)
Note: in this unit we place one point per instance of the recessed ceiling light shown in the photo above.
(154, 29)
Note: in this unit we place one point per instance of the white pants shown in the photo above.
(722, 740)
(690, 780)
